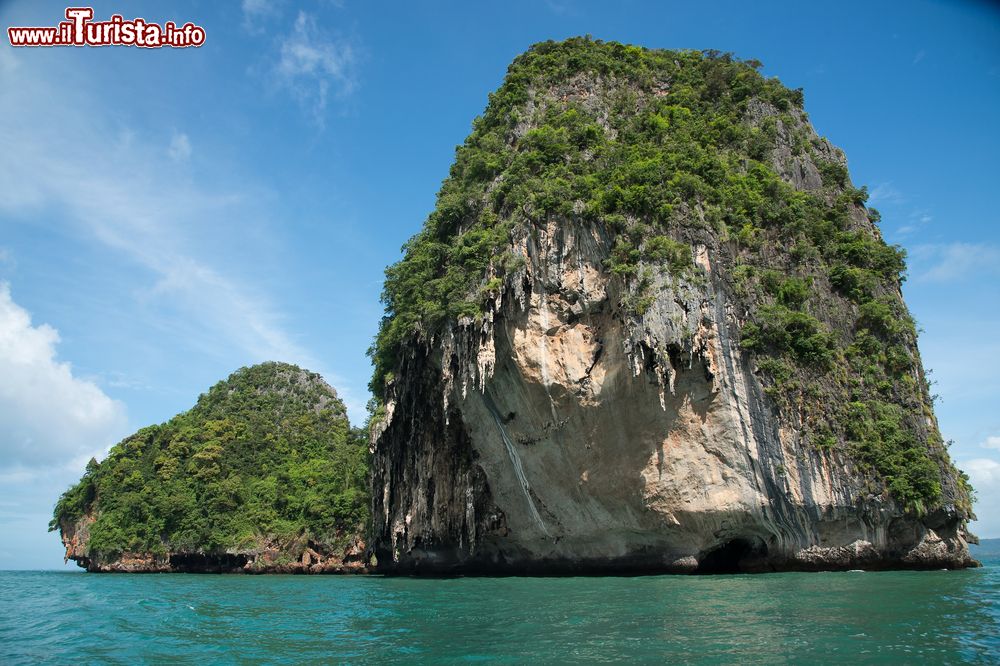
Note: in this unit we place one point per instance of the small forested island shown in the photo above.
(650, 326)
(263, 474)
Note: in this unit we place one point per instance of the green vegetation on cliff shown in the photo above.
(266, 456)
(663, 150)
(634, 171)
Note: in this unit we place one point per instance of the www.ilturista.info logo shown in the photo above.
(81, 30)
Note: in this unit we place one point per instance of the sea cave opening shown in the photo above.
(207, 563)
(730, 556)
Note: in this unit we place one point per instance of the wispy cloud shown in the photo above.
(561, 7)
(257, 11)
(917, 221)
(180, 147)
(315, 66)
(992, 442)
(144, 207)
(120, 380)
(888, 196)
(884, 193)
(255, 7)
(953, 262)
(921, 54)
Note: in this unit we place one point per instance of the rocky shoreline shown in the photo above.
(268, 558)
(268, 562)
(933, 552)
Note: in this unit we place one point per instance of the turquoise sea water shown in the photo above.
(889, 617)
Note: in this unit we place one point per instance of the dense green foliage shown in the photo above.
(265, 456)
(678, 150)
(789, 331)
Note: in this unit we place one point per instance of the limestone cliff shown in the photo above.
(263, 475)
(651, 326)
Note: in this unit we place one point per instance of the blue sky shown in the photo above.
(169, 216)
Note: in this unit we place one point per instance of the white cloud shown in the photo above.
(984, 474)
(49, 416)
(921, 54)
(985, 471)
(992, 442)
(180, 147)
(952, 262)
(313, 66)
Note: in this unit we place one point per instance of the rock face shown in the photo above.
(263, 475)
(590, 419)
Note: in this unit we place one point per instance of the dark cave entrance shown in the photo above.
(732, 556)
(207, 563)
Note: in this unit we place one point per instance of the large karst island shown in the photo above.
(650, 326)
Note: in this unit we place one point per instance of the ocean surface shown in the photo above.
(860, 618)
